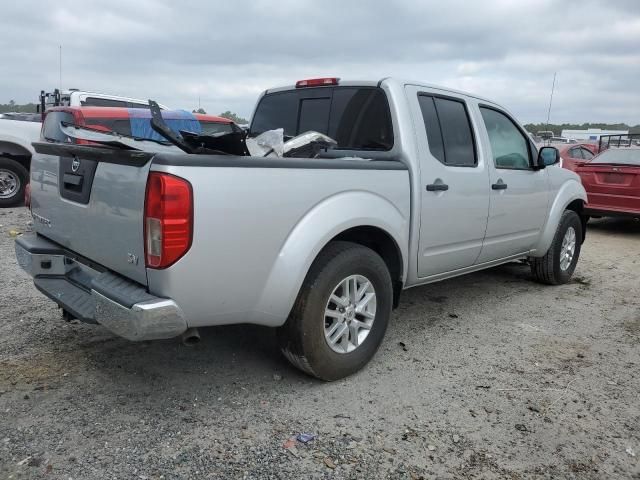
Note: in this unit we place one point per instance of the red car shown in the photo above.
(612, 182)
(129, 121)
(574, 154)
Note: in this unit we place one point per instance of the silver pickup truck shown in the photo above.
(425, 184)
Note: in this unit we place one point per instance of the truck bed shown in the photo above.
(251, 218)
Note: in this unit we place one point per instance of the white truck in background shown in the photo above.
(16, 137)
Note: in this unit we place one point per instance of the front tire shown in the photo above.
(558, 264)
(13, 181)
(341, 314)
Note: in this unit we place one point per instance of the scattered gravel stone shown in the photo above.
(159, 411)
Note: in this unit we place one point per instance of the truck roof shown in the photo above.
(386, 80)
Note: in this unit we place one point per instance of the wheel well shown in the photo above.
(578, 207)
(384, 245)
(16, 152)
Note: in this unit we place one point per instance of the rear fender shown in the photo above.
(311, 234)
(570, 191)
(16, 149)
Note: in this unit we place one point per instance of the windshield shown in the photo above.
(358, 118)
(619, 156)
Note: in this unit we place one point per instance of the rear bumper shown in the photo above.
(95, 295)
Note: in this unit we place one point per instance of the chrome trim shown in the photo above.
(32, 263)
(150, 320)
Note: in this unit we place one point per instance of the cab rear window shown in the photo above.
(358, 118)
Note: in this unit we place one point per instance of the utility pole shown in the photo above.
(60, 67)
(553, 86)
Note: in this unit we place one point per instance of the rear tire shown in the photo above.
(558, 264)
(13, 181)
(306, 339)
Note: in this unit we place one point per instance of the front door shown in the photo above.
(454, 183)
(519, 194)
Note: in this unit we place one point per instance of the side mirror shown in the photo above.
(548, 156)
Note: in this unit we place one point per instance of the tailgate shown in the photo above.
(90, 200)
(616, 186)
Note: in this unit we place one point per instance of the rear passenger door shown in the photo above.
(454, 183)
(519, 193)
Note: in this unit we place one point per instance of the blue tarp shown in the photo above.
(176, 120)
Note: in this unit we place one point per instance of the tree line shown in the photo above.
(557, 128)
(12, 106)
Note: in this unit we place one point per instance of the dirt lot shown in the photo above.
(490, 375)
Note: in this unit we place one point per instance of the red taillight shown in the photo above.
(78, 118)
(317, 82)
(168, 219)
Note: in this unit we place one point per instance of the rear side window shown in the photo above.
(448, 131)
(51, 127)
(358, 118)
(586, 154)
(575, 153)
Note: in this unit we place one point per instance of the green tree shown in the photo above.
(12, 106)
(557, 128)
(200, 110)
(232, 116)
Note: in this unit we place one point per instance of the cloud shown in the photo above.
(225, 53)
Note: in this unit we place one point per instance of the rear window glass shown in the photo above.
(109, 102)
(51, 127)
(118, 125)
(358, 118)
(102, 102)
(314, 114)
(209, 128)
(620, 156)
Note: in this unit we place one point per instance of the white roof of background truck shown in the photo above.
(79, 98)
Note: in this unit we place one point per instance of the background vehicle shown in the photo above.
(128, 121)
(573, 155)
(612, 182)
(16, 137)
(424, 184)
(80, 98)
(18, 131)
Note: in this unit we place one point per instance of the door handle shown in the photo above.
(437, 187)
(499, 186)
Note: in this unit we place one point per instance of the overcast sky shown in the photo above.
(227, 52)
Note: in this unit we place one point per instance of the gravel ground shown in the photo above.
(485, 376)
